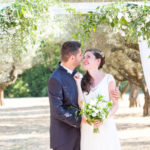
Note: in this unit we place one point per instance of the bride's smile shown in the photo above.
(90, 62)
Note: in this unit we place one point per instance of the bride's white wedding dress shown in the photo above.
(107, 138)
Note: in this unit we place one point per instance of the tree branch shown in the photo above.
(13, 78)
(131, 45)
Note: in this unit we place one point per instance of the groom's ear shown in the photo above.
(72, 57)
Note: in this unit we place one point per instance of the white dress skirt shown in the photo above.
(107, 138)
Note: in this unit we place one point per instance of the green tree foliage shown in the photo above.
(23, 24)
(34, 81)
(20, 25)
(130, 20)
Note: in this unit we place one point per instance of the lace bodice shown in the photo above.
(100, 89)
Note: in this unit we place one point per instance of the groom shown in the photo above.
(63, 96)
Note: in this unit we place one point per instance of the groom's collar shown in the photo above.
(66, 69)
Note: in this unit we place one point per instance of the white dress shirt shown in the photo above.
(68, 70)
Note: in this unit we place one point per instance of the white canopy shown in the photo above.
(145, 59)
(88, 6)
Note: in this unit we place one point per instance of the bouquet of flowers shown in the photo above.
(97, 109)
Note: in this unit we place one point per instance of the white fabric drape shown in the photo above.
(145, 59)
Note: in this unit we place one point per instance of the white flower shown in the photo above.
(124, 27)
(142, 26)
(122, 33)
(138, 29)
(147, 19)
(132, 11)
(134, 16)
(18, 27)
(120, 15)
(28, 15)
(93, 102)
(12, 31)
(127, 17)
(102, 104)
(110, 19)
(96, 111)
(17, 21)
(94, 114)
(116, 30)
(90, 106)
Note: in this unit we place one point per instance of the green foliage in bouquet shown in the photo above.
(97, 109)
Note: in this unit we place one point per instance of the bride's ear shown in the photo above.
(98, 61)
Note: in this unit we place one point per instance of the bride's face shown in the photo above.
(90, 61)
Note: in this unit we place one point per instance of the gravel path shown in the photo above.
(24, 125)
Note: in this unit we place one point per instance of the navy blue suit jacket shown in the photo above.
(63, 96)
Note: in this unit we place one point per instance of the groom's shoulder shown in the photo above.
(56, 74)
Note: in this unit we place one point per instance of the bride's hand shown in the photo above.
(83, 120)
(78, 77)
(97, 124)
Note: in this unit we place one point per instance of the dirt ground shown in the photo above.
(24, 125)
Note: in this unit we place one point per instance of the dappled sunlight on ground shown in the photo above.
(133, 128)
(24, 125)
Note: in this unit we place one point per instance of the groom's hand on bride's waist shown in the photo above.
(116, 94)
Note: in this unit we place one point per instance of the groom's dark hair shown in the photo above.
(69, 48)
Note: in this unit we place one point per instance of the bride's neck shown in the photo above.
(94, 73)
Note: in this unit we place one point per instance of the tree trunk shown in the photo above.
(1, 96)
(146, 107)
(7, 83)
(125, 89)
(134, 92)
(118, 83)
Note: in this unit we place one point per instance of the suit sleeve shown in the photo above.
(56, 105)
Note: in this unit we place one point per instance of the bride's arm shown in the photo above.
(114, 96)
(77, 78)
(80, 94)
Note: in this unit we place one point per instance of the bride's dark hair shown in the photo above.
(87, 79)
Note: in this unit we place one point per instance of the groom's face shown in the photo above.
(78, 58)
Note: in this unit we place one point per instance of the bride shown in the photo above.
(92, 84)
